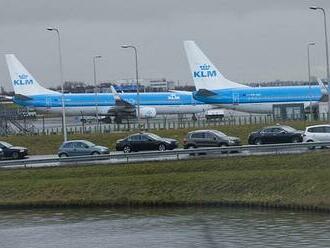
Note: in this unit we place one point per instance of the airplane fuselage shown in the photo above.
(86, 103)
(261, 99)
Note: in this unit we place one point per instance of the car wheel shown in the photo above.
(15, 155)
(95, 153)
(63, 155)
(190, 147)
(127, 149)
(311, 147)
(294, 140)
(223, 145)
(161, 147)
(257, 141)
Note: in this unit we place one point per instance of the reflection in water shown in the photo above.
(207, 227)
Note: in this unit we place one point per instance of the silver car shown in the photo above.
(81, 148)
(209, 138)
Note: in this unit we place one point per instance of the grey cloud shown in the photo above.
(249, 40)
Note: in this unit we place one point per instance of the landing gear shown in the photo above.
(118, 120)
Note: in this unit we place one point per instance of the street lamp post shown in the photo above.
(309, 76)
(95, 86)
(137, 82)
(62, 81)
(326, 52)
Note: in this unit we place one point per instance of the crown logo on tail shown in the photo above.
(23, 76)
(204, 67)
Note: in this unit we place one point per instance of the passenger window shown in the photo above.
(68, 145)
(327, 129)
(134, 138)
(81, 145)
(144, 138)
(209, 136)
(198, 135)
(317, 130)
(267, 130)
(277, 130)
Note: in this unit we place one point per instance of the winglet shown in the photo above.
(324, 89)
(115, 93)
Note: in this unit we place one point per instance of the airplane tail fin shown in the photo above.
(23, 82)
(205, 74)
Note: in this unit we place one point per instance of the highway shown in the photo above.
(177, 154)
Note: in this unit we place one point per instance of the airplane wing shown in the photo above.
(10, 98)
(121, 106)
(205, 93)
(181, 92)
(22, 97)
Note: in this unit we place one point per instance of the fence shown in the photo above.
(158, 124)
(155, 124)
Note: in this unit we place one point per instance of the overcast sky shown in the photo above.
(248, 40)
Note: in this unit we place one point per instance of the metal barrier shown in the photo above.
(176, 154)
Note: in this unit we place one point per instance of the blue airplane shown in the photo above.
(213, 88)
(29, 93)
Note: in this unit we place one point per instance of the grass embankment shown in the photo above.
(288, 181)
(49, 144)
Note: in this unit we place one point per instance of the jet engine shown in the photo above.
(147, 112)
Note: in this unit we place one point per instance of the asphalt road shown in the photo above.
(260, 151)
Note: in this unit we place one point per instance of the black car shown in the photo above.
(145, 141)
(10, 151)
(275, 134)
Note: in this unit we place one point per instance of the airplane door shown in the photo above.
(235, 98)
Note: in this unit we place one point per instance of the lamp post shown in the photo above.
(326, 51)
(95, 87)
(309, 76)
(137, 82)
(62, 81)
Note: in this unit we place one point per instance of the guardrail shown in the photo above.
(176, 154)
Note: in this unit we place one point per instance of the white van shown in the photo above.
(317, 133)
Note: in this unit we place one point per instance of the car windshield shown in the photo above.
(289, 129)
(154, 136)
(218, 133)
(6, 144)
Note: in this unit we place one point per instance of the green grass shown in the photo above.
(49, 144)
(294, 181)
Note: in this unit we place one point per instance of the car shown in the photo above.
(209, 138)
(81, 148)
(14, 152)
(145, 141)
(275, 134)
(317, 133)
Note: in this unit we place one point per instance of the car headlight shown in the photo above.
(22, 150)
